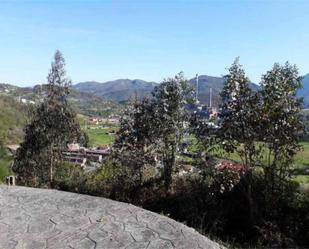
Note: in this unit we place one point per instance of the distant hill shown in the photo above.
(83, 102)
(216, 84)
(304, 92)
(95, 98)
(117, 90)
(92, 105)
(121, 90)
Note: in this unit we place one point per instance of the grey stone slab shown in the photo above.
(50, 219)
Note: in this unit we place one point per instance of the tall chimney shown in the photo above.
(196, 97)
(210, 97)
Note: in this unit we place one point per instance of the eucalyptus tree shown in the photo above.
(170, 120)
(240, 126)
(239, 116)
(153, 128)
(134, 146)
(282, 124)
(51, 128)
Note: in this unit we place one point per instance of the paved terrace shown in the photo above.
(42, 218)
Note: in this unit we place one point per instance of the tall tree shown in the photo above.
(154, 128)
(239, 115)
(169, 120)
(239, 127)
(134, 146)
(52, 127)
(282, 125)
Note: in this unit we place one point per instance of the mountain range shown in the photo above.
(117, 90)
(122, 89)
(97, 98)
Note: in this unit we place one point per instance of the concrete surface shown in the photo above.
(41, 218)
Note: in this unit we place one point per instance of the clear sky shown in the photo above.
(151, 39)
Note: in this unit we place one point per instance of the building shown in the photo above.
(13, 148)
(87, 158)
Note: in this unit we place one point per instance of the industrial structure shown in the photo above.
(201, 110)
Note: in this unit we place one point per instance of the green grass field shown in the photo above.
(101, 136)
(301, 161)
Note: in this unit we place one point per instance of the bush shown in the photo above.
(203, 205)
(214, 202)
(5, 162)
(70, 177)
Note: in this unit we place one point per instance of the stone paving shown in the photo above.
(41, 218)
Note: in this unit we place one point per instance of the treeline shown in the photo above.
(255, 203)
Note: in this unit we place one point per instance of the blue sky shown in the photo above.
(150, 40)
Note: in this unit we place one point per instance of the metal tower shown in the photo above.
(196, 91)
(210, 97)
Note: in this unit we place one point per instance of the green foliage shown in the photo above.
(262, 130)
(135, 144)
(53, 125)
(112, 180)
(70, 177)
(5, 163)
(154, 129)
(239, 116)
(282, 125)
(169, 100)
(12, 119)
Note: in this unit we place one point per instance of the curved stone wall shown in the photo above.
(42, 218)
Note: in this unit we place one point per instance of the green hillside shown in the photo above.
(12, 119)
(85, 103)
(91, 105)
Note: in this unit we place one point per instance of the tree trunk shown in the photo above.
(250, 199)
(248, 182)
(169, 159)
(51, 179)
